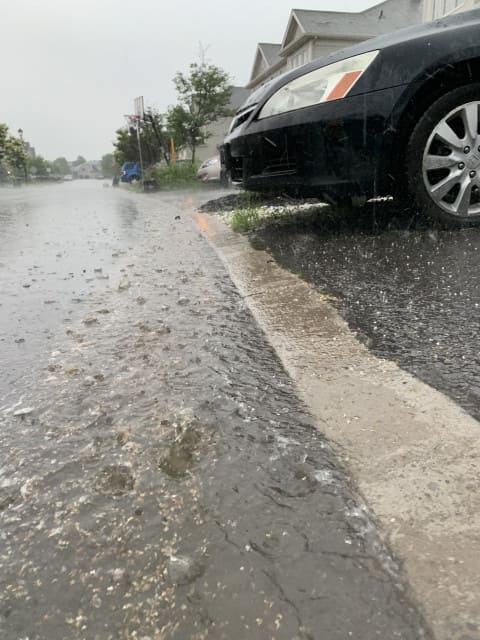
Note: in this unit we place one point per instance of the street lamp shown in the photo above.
(20, 135)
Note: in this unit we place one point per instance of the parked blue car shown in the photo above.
(130, 172)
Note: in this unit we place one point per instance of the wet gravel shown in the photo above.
(411, 292)
(159, 477)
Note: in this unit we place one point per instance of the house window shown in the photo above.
(443, 7)
(298, 60)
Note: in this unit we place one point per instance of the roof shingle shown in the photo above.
(381, 18)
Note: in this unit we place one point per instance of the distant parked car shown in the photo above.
(68, 177)
(130, 172)
(395, 115)
(209, 170)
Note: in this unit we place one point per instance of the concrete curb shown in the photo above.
(414, 454)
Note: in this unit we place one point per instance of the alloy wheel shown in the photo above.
(451, 162)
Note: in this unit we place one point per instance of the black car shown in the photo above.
(395, 115)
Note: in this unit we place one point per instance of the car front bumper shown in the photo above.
(342, 148)
(206, 176)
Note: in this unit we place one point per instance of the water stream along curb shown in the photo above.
(414, 454)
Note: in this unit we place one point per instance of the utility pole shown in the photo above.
(24, 162)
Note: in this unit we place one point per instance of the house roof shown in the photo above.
(267, 57)
(270, 52)
(381, 18)
(304, 24)
(90, 165)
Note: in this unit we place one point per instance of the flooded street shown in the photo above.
(55, 251)
(159, 477)
(411, 294)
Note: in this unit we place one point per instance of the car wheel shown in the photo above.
(443, 159)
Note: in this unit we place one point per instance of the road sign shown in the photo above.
(139, 109)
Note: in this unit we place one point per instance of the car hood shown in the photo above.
(406, 54)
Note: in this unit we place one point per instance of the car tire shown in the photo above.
(443, 159)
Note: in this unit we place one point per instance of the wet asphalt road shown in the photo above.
(412, 293)
(159, 477)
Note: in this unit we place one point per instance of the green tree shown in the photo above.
(3, 140)
(107, 165)
(60, 166)
(203, 98)
(4, 169)
(126, 147)
(16, 156)
(152, 139)
(13, 159)
(79, 160)
(157, 135)
(39, 166)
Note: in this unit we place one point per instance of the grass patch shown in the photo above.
(252, 216)
(247, 216)
(245, 219)
(249, 200)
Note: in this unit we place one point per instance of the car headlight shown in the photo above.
(241, 117)
(329, 83)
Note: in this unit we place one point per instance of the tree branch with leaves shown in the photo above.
(203, 98)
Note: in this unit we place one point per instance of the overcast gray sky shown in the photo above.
(71, 68)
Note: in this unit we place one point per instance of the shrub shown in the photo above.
(176, 176)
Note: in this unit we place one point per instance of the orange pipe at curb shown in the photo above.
(204, 225)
